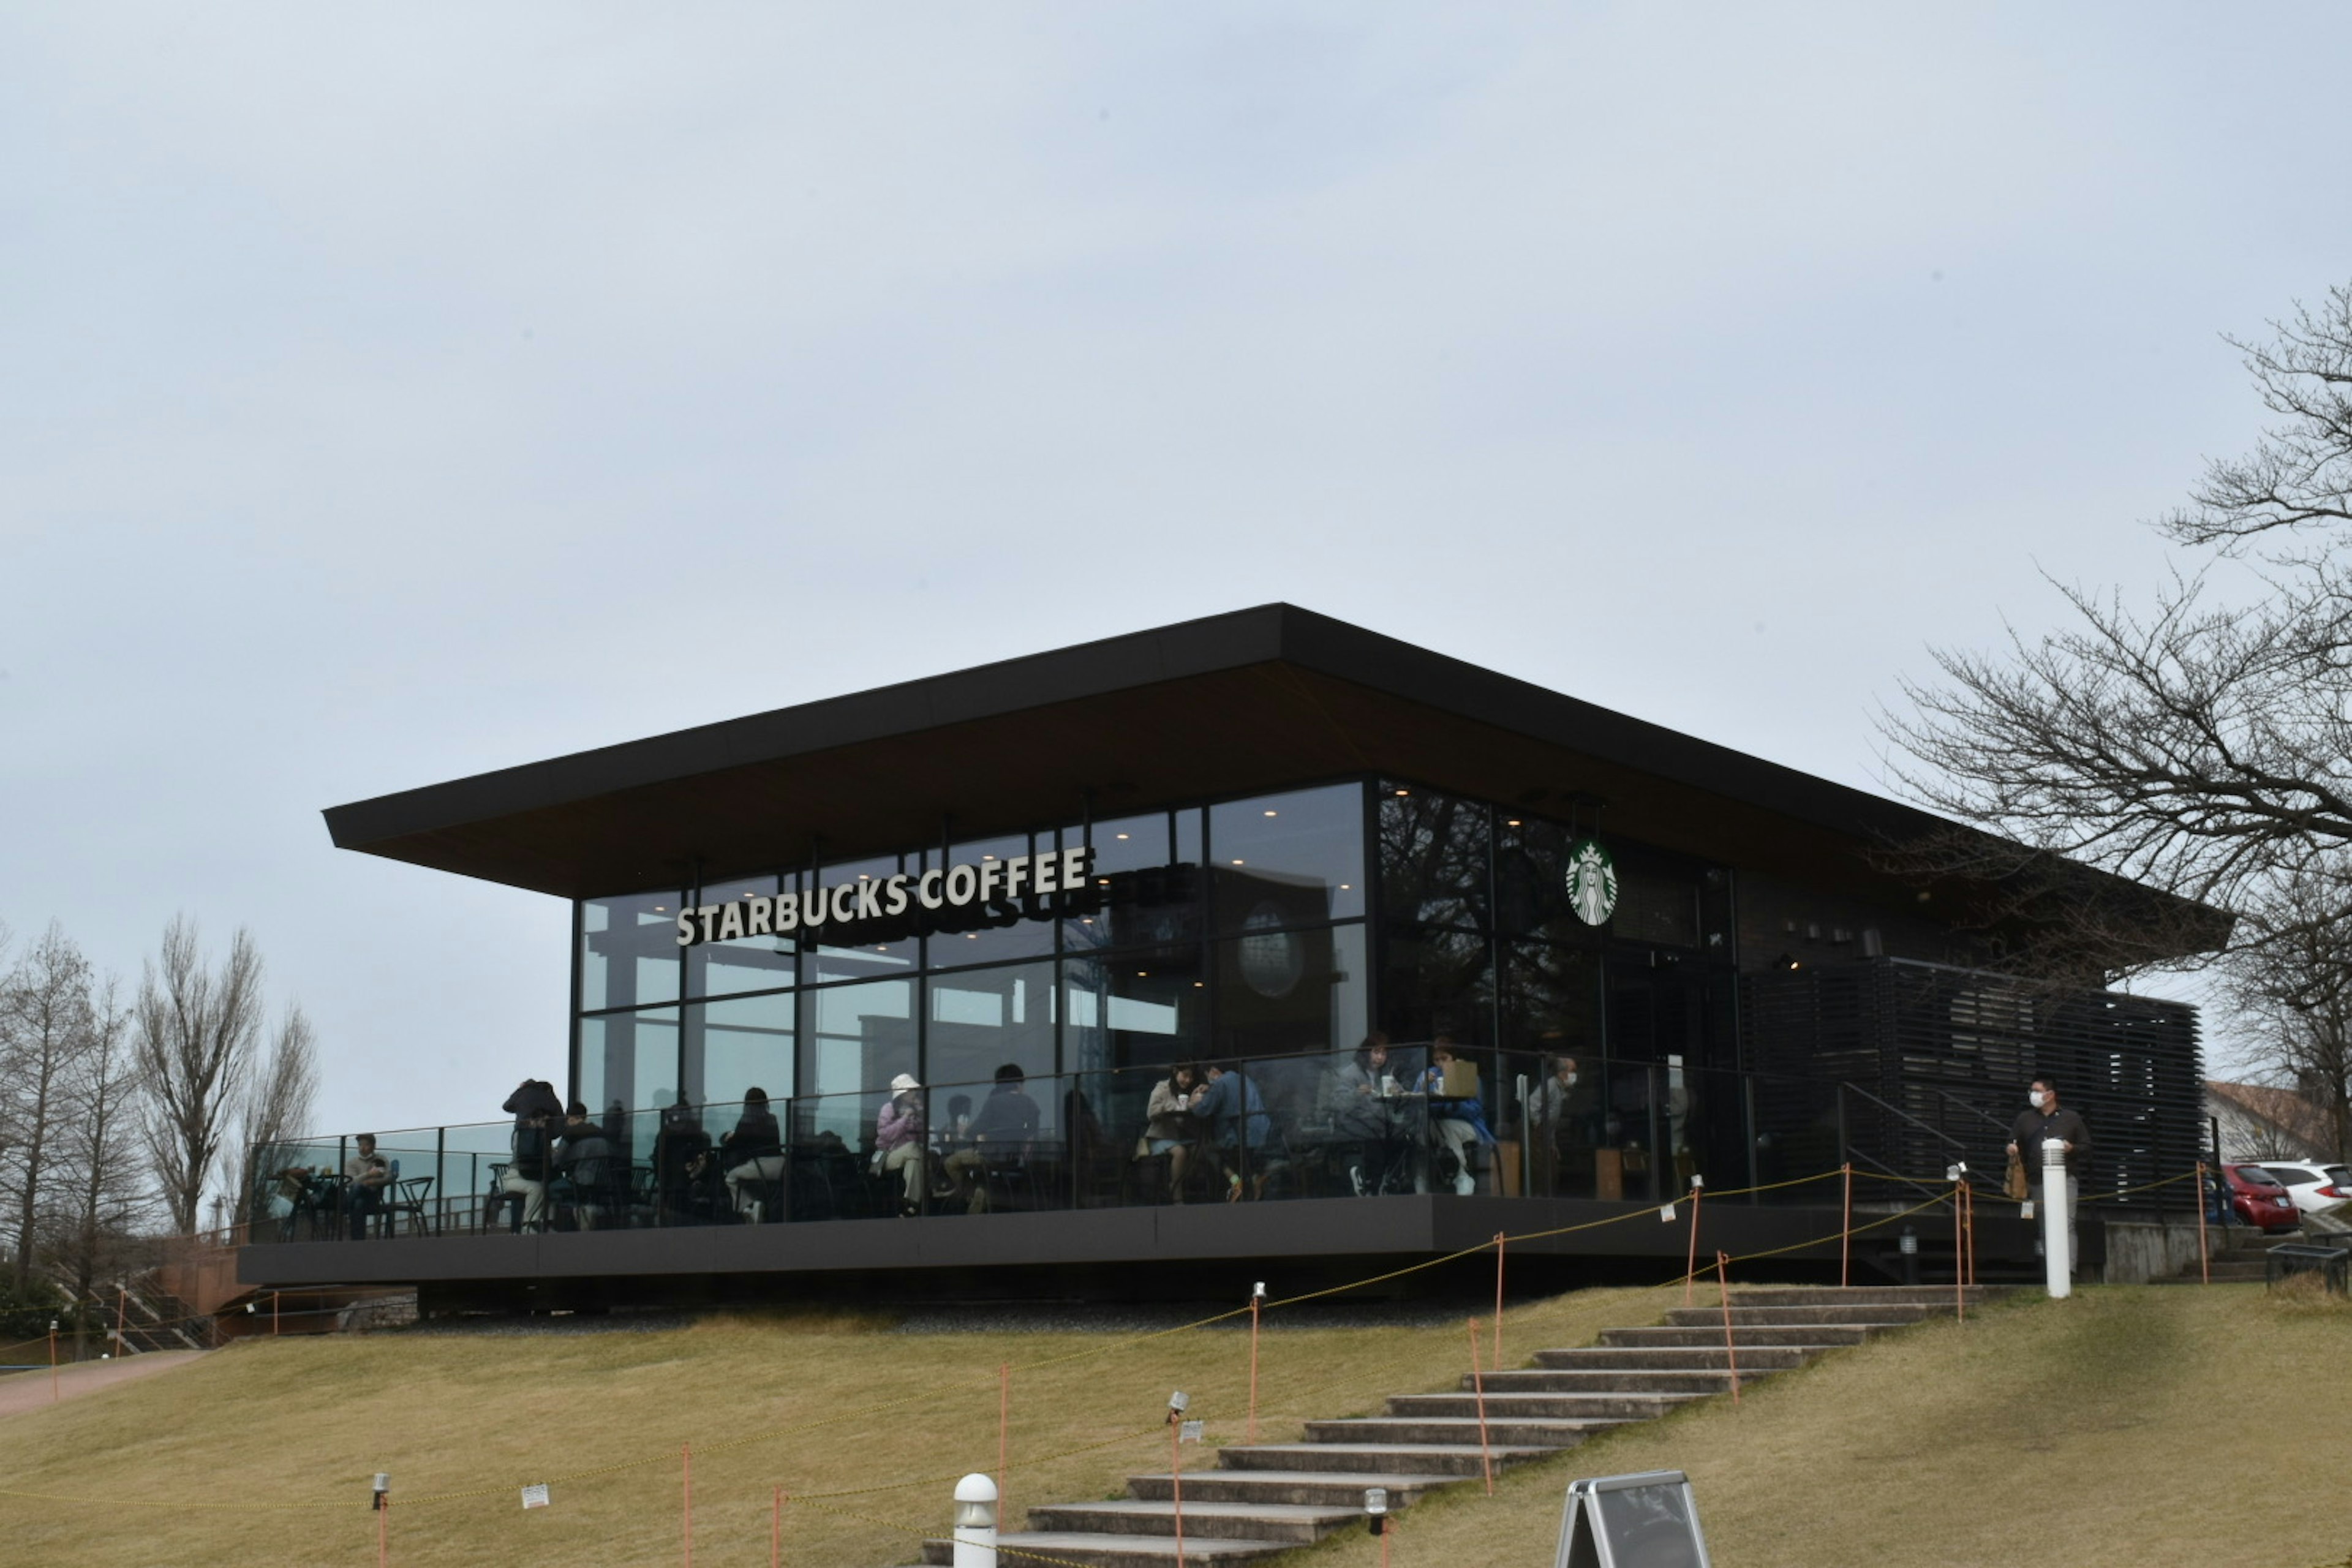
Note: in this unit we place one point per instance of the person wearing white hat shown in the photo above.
(898, 1139)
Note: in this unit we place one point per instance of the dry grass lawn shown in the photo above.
(2140, 1426)
(2133, 1426)
(260, 1456)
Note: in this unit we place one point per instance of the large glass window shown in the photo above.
(744, 1043)
(1279, 992)
(828, 961)
(629, 1059)
(1001, 930)
(1148, 882)
(628, 951)
(980, 1019)
(1437, 981)
(1143, 1008)
(1290, 859)
(1433, 849)
(743, 961)
(853, 1039)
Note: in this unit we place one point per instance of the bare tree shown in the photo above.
(2294, 989)
(45, 1010)
(276, 1105)
(2198, 747)
(193, 1040)
(109, 1196)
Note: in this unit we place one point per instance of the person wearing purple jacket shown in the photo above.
(899, 1139)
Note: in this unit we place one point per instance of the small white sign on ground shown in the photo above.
(1644, 1520)
(534, 1497)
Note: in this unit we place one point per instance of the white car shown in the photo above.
(2312, 1186)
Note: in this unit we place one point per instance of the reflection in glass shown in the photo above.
(1148, 882)
(1287, 860)
(1437, 981)
(1288, 991)
(718, 968)
(737, 1045)
(1433, 858)
(828, 961)
(982, 1019)
(1139, 1008)
(629, 950)
(853, 1039)
(629, 1059)
(1002, 930)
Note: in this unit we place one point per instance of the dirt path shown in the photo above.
(24, 1391)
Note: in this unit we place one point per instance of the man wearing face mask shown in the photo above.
(1554, 1109)
(2047, 1120)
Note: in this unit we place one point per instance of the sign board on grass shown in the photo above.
(1644, 1520)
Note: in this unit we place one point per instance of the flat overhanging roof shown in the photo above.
(1241, 703)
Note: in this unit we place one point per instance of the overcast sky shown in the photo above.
(393, 393)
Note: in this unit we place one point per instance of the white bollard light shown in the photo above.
(2057, 1256)
(975, 1523)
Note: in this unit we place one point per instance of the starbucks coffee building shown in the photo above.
(1254, 843)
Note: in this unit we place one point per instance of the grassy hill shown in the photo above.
(2142, 1425)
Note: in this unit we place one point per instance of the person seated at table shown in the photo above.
(753, 1155)
(365, 1175)
(898, 1141)
(1365, 1115)
(584, 1161)
(681, 1157)
(1455, 1125)
(1004, 1127)
(1168, 1129)
(1229, 1103)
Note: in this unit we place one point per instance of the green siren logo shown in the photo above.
(1592, 881)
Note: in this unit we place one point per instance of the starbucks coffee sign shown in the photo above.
(1592, 881)
(870, 908)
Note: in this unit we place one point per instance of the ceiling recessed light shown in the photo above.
(661, 908)
(1269, 814)
(1239, 862)
(1514, 822)
(1196, 985)
(1122, 835)
(971, 936)
(987, 856)
(1345, 885)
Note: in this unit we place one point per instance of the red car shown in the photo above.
(2256, 1197)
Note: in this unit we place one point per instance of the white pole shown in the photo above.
(2057, 1258)
(975, 1523)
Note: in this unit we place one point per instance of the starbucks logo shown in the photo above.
(1592, 881)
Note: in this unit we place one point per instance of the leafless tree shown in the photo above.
(278, 1102)
(196, 1033)
(45, 1014)
(2200, 746)
(2294, 991)
(109, 1196)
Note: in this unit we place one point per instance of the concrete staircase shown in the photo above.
(1264, 1498)
(2238, 1254)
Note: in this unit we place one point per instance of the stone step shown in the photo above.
(1632, 1380)
(1809, 1337)
(1529, 1432)
(1297, 1523)
(1440, 1459)
(1857, 1295)
(1663, 1358)
(1111, 1551)
(1326, 1489)
(1878, 1316)
(1520, 1405)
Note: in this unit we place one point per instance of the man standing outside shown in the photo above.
(2046, 1119)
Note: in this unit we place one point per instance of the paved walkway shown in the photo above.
(23, 1391)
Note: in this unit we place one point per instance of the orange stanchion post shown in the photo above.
(776, 1531)
(384, 1533)
(686, 1460)
(2204, 1259)
(1004, 1428)
(1256, 1296)
(1969, 1198)
(274, 1296)
(1690, 1273)
(53, 1361)
(1730, 1349)
(1845, 1231)
(1499, 1238)
(122, 1307)
(1478, 1386)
